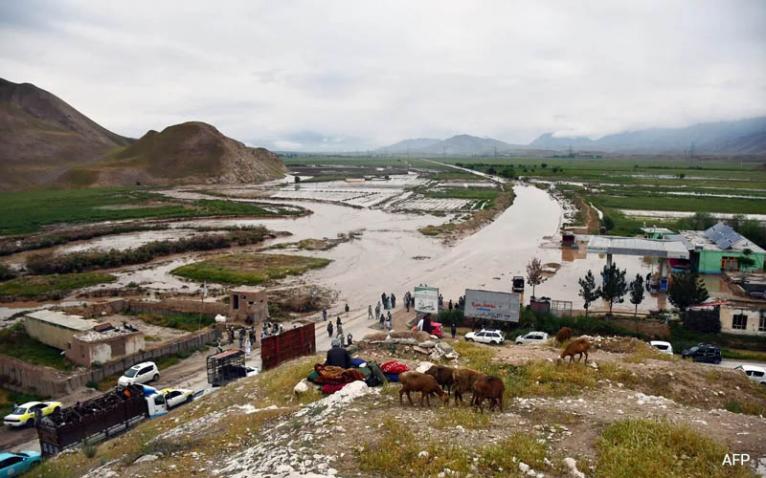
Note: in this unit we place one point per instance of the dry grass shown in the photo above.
(450, 417)
(649, 449)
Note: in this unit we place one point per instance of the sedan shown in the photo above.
(25, 414)
(494, 337)
(16, 464)
(532, 338)
(177, 396)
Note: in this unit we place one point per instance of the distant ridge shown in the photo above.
(741, 137)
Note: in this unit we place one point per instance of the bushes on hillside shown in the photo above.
(705, 321)
(6, 273)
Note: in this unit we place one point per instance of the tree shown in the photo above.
(687, 289)
(613, 284)
(534, 273)
(637, 292)
(588, 290)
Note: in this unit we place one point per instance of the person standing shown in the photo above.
(382, 319)
(393, 301)
(340, 331)
(453, 329)
(377, 309)
(348, 339)
(324, 314)
(449, 305)
(347, 308)
(389, 323)
(384, 300)
(369, 312)
(329, 329)
(338, 322)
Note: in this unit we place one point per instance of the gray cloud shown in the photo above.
(358, 74)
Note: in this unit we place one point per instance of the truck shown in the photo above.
(226, 366)
(99, 418)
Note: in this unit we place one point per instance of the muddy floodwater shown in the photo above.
(392, 256)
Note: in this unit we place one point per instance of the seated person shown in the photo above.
(338, 356)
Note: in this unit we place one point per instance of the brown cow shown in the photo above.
(491, 388)
(420, 382)
(564, 334)
(443, 376)
(577, 347)
(462, 382)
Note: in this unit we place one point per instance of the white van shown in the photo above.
(662, 346)
(753, 372)
(143, 372)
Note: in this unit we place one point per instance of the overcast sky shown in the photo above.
(346, 75)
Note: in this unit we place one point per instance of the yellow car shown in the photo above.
(25, 414)
(177, 396)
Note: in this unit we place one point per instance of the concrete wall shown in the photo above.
(755, 319)
(86, 353)
(118, 306)
(48, 382)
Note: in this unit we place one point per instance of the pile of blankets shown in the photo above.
(331, 378)
(392, 369)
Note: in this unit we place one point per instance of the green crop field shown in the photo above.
(249, 269)
(27, 212)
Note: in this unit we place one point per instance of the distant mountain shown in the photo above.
(462, 144)
(45, 141)
(408, 145)
(41, 136)
(746, 136)
(187, 153)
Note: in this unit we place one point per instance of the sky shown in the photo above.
(356, 75)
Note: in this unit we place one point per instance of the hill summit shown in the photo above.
(192, 152)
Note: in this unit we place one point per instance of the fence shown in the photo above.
(165, 306)
(47, 382)
(288, 345)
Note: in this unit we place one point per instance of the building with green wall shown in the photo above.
(720, 248)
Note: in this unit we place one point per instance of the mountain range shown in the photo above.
(747, 136)
(45, 141)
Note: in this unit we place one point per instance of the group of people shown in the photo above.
(245, 335)
(271, 328)
(343, 340)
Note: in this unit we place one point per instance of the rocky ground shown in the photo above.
(628, 409)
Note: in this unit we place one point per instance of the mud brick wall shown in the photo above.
(656, 329)
(178, 305)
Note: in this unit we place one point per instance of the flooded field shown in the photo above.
(680, 214)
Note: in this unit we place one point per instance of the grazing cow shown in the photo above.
(420, 382)
(491, 388)
(462, 382)
(577, 347)
(443, 376)
(564, 334)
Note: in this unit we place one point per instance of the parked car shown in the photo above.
(753, 372)
(25, 414)
(494, 337)
(703, 353)
(662, 346)
(144, 372)
(16, 464)
(437, 329)
(177, 396)
(532, 338)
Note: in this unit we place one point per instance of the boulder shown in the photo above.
(420, 350)
(428, 344)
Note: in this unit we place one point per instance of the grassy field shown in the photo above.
(54, 286)
(26, 212)
(249, 269)
(178, 320)
(15, 342)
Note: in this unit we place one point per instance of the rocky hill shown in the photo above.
(185, 153)
(41, 136)
(45, 141)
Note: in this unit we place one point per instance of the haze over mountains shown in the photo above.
(45, 141)
(747, 136)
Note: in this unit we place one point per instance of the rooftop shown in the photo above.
(635, 246)
(60, 319)
(706, 241)
(656, 230)
(105, 333)
(244, 289)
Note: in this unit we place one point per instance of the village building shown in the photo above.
(721, 249)
(656, 232)
(83, 341)
(745, 318)
(103, 343)
(55, 328)
(249, 305)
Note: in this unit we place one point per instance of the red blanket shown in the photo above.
(329, 374)
(394, 366)
(330, 388)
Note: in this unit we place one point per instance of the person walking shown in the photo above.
(329, 329)
(393, 301)
(369, 312)
(338, 322)
(347, 308)
(382, 319)
(377, 309)
(453, 329)
(340, 332)
(324, 314)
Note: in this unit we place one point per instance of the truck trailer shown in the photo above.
(99, 418)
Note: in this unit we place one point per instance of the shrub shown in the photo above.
(705, 321)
